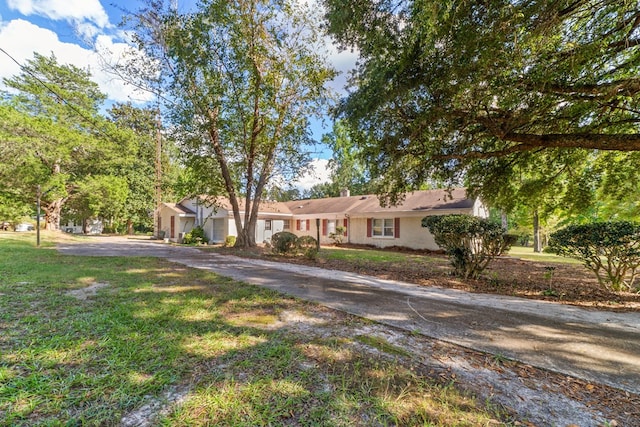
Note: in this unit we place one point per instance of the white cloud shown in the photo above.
(63, 10)
(21, 39)
(319, 173)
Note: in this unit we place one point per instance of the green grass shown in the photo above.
(373, 255)
(152, 327)
(528, 254)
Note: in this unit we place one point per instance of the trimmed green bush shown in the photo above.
(229, 241)
(338, 236)
(284, 242)
(469, 241)
(610, 249)
(307, 246)
(194, 237)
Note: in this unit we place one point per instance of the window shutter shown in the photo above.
(324, 227)
(308, 225)
(396, 231)
(369, 227)
(298, 224)
(345, 226)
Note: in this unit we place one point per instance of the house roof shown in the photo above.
(182, 211)
(417, 201)
(266, 207)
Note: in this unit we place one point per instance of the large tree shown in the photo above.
(53, 136)
(444, 84)
(243, 78)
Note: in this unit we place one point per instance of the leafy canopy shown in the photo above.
(243, 78)
(444, 84)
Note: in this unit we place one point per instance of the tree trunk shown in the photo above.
(52, 214)
(537, 243)
(503, 218)
(129, 227)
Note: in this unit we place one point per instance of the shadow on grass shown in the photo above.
(155, 327)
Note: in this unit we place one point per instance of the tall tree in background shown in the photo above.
(538, 185)
(442, 85)
(244, 77)
(140, 173)
(53, 136)
(348, 171)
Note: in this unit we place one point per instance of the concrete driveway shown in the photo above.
(597, 346)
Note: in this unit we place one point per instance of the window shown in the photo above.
(267, 224)
(331, 226)
(286, 225)
(383, 227)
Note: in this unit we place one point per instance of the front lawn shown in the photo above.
(113, 341)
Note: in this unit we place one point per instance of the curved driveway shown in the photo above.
(598, 346)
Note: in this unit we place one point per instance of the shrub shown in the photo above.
(284, 242)
(338, 236)
(195, 236)
(308, 246)
(469, 241)
(229, 241)
(610, 249)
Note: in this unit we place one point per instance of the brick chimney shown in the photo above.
(345, 192)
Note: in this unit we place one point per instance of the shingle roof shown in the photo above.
(180, 209)
(418, 201)
(265, 206)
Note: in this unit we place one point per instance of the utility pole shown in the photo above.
(158, 167)
(39, 195)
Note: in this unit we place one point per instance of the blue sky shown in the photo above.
(69, 27)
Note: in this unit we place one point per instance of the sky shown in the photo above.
(68, 29)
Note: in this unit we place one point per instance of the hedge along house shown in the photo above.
(367, 223)
(215, 216)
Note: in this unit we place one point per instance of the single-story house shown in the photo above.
(361, 218)
(367, 223)
(215, 216)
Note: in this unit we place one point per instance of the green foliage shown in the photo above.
(307, 246)
(195, 236)
(338, 236)
(230, 241)
(140, 126)
(287, 243)
(443, 85)
(284, 242)
(610, 249)
(471, 242)
(245, 75)
(55, 137)
(99, 196)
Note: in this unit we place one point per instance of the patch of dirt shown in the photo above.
(83, 293)
(549, 281)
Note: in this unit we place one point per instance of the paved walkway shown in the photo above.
(598, 346)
